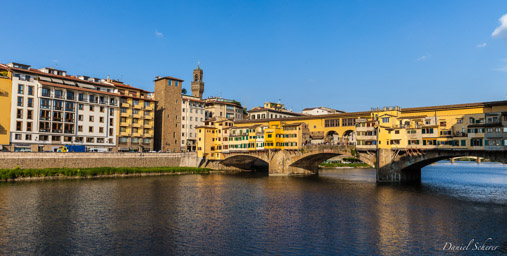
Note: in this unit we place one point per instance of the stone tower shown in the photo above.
(168, 114)
(197, 83)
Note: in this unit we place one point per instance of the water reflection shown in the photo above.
(338, 212)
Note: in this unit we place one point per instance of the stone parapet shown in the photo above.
(89, 160)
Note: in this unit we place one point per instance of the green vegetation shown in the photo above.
(355, 165)
(15, 173)
(183, 91)
(236, 102)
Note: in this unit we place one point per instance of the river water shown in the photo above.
(341, 211)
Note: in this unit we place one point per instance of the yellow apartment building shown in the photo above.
(5, 105)
(136, 123)
(461, 126)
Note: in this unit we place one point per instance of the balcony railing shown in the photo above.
(83, 99)
(58, 96)
(46, 95)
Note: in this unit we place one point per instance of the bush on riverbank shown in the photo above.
(355, 165)
(6, 174)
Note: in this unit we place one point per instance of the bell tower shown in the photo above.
(197, 83)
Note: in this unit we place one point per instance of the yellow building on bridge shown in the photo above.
(461, 126)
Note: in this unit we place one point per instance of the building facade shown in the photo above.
(320, 111)
(224, 108)
(168, 114)
(271, 110)
(5, 106)
(474, 126)
(192, 116)
(136, 123)
(51, 109)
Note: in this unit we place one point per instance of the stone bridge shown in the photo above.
(286, 162)
(394, 165)
(404, 165)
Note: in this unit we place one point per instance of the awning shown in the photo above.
(56, 80)
(69, 82)
(86, 86)
(43, 78)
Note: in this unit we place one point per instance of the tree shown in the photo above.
(183, 91)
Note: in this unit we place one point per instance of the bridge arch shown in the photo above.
(407, 168)
(332, 137)
(349, 137)
(312, 161)
(246, 162)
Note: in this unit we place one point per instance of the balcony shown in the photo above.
(147, 135)
(47, 95)
(138, 106)
(58, 96)
(124, 114)
(138, 125)
(83, 99)
(148, 126)
(124, 124)
(148, 108)
(113, 103)
(148, 117)
(124, 134)
(125, 104)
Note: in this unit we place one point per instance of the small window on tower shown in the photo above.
(196, 77)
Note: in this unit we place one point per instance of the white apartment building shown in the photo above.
(320, 111)
(219, 107)
(271, 110)
(51, 109)
(192, 115)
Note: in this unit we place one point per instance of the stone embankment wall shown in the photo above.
(86, 160)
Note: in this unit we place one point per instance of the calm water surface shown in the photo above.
(341, 211)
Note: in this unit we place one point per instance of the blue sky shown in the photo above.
(348, 55)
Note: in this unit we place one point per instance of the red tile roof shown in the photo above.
(77, 88)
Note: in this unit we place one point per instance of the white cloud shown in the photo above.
(158, 34)
(423, 58)
(501, 31)
(481, 45)
(503, 68)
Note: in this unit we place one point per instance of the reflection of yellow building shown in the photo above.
(136, 122)
(5, 105)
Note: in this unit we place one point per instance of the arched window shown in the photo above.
(196, 78)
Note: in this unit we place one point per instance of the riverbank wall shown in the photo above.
(24, 160)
